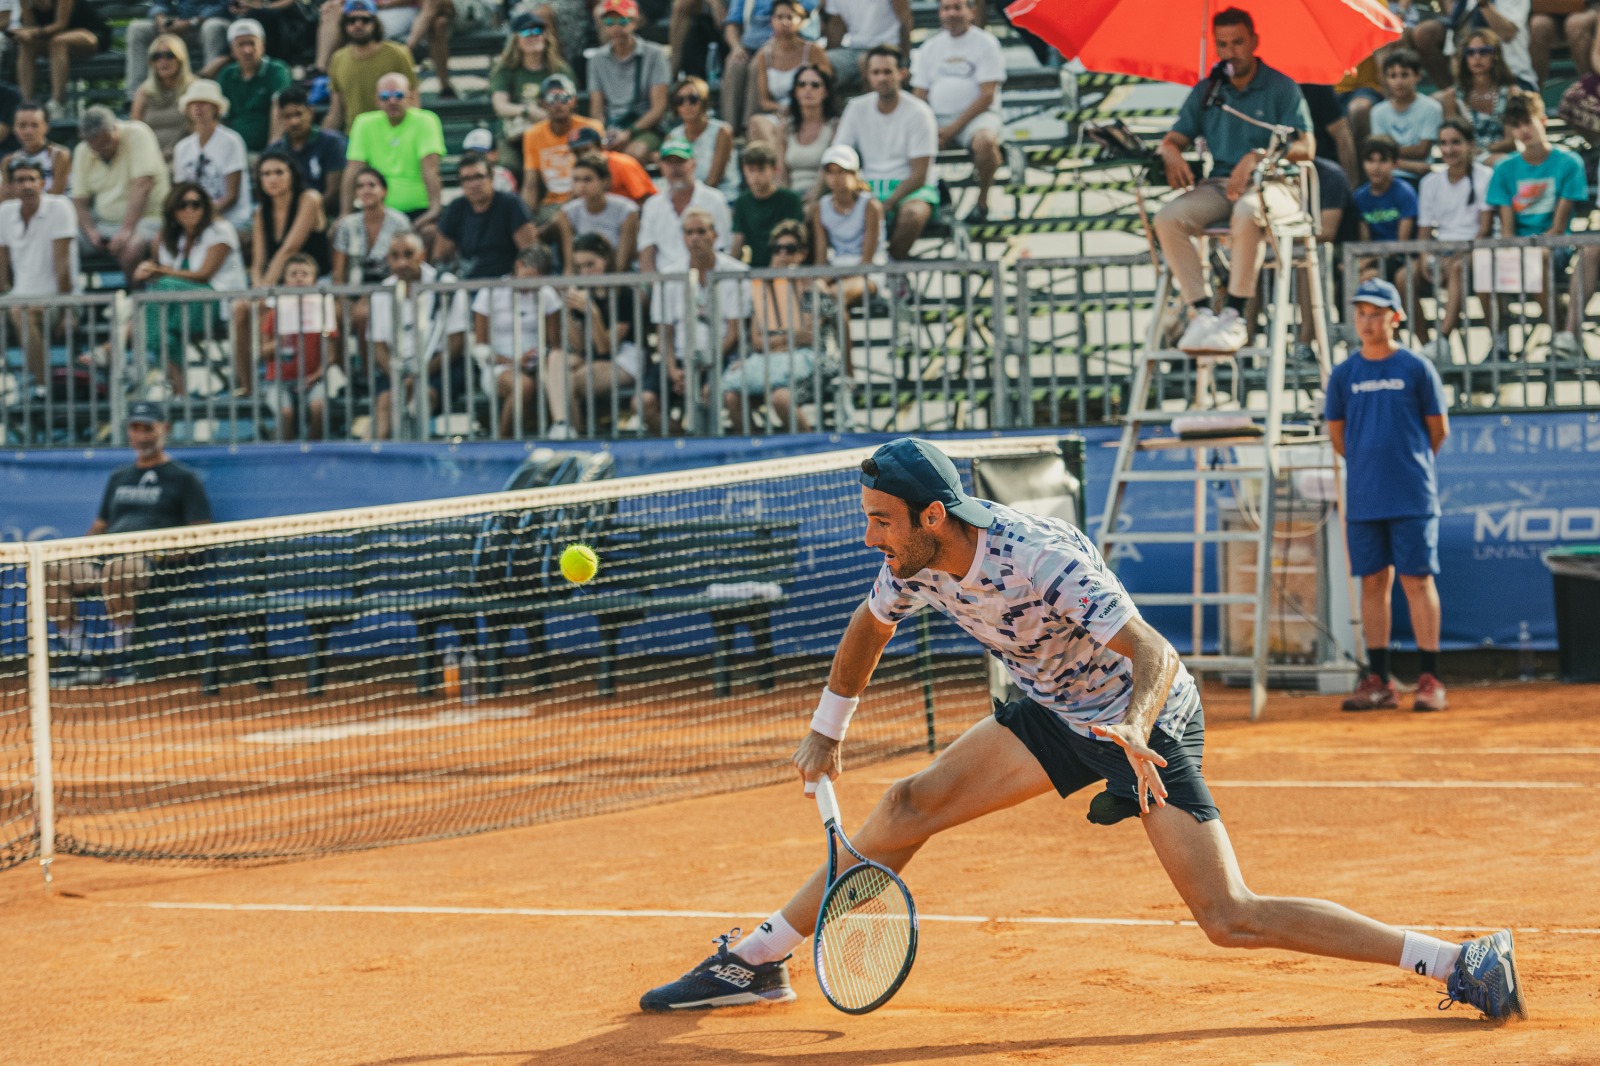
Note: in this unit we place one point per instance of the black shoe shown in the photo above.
(977, 216)
(723, 980)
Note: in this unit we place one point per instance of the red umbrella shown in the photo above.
(1313, 41)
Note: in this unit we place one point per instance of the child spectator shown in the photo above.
(762, 205)
(1410, 120)
(628, 176)
(595, 210)
(1536, 192)
(1452, 205)
(1388, 208)
(301, 333)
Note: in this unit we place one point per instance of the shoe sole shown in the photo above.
(1519, 1006)
(1359, 707)
(740, 999)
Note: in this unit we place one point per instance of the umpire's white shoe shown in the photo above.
(723, 980)
(1197, 334)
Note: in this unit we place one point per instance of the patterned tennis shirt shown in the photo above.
(1041, 599)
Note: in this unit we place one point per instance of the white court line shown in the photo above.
(1474, 785)
(584, 912)
(1223, 749)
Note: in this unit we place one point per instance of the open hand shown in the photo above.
(1143, 760)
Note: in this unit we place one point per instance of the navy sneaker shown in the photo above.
(723, 980)
(1485, 977)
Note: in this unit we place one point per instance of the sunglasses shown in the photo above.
(185, 205)
(785, 249)
(156, 57)
(558, 96)
(810, 85)
(1479, 50)
(615, 20)
(531, 31)
(391, 94)
(696, 232)
(359, 20)
(686, 98)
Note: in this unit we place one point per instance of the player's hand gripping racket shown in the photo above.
(866, 938)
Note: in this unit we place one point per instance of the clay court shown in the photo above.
(1044, 938)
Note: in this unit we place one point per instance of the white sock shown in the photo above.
(1428, 956)
(772, 940)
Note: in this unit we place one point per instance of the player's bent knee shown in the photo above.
(1232, 923)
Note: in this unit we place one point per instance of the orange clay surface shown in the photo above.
(455, 952)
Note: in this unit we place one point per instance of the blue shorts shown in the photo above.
(1410, 545)
(1074, 762)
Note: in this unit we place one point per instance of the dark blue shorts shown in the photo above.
(1075, 762)
(1410, 545)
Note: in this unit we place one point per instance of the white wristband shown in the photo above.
(833, 713)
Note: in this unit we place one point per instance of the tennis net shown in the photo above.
(343, 680)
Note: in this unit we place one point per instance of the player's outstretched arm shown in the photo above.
(1155, 664)
(853, 664)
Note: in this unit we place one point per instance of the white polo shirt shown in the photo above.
(31, 244)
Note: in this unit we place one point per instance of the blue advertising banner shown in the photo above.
(1511, 486)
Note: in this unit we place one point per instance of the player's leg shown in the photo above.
(1199, 859)
(986, 770)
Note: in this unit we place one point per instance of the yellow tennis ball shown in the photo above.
(579, 563)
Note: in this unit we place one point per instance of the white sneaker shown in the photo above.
(1566, 345)
(561, 431)
(1197, 335)
(1231, 333)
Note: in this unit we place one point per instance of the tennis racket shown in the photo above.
(866, 938)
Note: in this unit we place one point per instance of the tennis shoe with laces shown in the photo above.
(723, 980)
(1372, 693)
(1485, 976)
(1430, 694)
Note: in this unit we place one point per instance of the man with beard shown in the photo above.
(896, 136)
(154, 492)
(1105, 699)
(363, 58)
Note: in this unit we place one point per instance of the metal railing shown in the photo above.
(895, 346)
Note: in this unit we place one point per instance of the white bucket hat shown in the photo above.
(204, 91)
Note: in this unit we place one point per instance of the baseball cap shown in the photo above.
(479, 140)
(583, 137)
(917, 472)
(628, 9)
(1380, 293)
(678, 147)
(362, 7)
(842, 156)
(246, 28)
(147, 411)
(558, 82)
(526, 21)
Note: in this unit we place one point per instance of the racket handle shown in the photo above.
(827, 805)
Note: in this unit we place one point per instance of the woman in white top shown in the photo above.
(716, 163)
(196, 250)
(776, 66)
(1452, 205)
(813, 120)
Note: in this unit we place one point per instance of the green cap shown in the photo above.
(677, 146)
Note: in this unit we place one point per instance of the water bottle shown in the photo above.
(469, 677)
(452, 675)
(1527, 664)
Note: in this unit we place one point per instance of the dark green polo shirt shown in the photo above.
(250, 102)
(1270, 96)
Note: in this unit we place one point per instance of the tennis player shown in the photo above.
(1106, 699)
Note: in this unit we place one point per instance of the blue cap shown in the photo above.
(365, 7)
(917, 472)
(1380, 293)
(146, 411)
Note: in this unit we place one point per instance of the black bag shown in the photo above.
(517, 552)
(1118, 142)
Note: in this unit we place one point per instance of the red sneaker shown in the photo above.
(1430, 694)
(1373, 694)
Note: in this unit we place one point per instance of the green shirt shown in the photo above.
(397, 152)
(754, 219)
(522, 84)
(250, 102)
(1270, 96)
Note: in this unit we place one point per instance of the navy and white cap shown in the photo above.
(146, 411)
(917, 472)
(1380, 293)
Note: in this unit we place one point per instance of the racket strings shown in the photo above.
(864, 936)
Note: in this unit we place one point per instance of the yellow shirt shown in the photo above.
(105, 185)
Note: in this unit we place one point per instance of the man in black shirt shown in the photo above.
(154, 492)
(484, 228)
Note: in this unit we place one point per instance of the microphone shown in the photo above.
(1221, 74)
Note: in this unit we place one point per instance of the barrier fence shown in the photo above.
(943, 345)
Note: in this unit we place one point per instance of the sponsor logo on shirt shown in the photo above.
(1379, 385)
(147, 492)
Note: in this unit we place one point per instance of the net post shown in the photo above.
(44, 787)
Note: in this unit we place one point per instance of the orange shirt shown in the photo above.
(547, 152)
(628, 177)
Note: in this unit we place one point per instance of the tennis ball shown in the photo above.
(579, 563)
